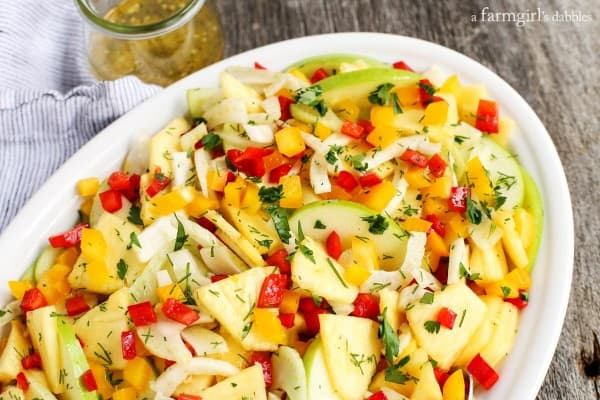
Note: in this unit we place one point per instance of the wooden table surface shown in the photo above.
(554, 66)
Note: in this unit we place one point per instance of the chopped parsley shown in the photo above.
(280, 220)
(381, 95)
(311, 96)
(332, 155)
(432, 326)
(391, 344)
(505, 291)
(395, 375)
(463, 273)
(319, 225)
(133, 241)
(269, 195)
(122, 269)
(210, 141)
(377, 223)
(396, 104)
(181, 237)
(357, 162)
(473, 213)
(134, 216)
(265, 243)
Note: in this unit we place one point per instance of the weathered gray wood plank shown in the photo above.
(555, 66)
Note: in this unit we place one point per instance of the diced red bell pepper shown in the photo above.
(76, 306)
(133, 192)
(217, 278)
(70, 238)
(311, 313)
(441, 376)
(437, 165)
(22, 382)
(33, 299)
(520, 302)
(436, 224)
(263, 358)
(272, 290)
(426, 91)
(207, 224)
(402, 65)
(252, 153)
(486, 119)
(159, 182)
(319, 74)
(287, 319)
(446, 317)
(32, 361)
(142, 314)
(378, 396)
(352, 129)
(128, 345)
(441, 273)
(366, 125)
(258, 65)
(111, 200)
(284, 106)
(250, 161)
(483, 373)
(179, 312)
(168, 363)
(279, 260)
(184, 396)
(334, 245)
(415, 158)
(366, 306)
(458, 198)
(347, 181)
(88, 380)
(369, 180)
(277, 173)
(118, 181)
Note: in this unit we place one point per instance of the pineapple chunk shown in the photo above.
(43, 332)
(504, 335)
(427, 388)
(93, 327)
(489, 263)
(255, 229)
(320, 274)
(165, 143)
(511, 240)
(446, 345)
(232, 302)
(351, 351)
(16, 346)
(249, 384)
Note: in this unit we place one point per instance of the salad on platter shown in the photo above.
(344, 229)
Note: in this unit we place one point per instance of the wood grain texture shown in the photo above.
(554, 66)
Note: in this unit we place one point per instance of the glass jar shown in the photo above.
(160, 41)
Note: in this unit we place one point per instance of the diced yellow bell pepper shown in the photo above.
(290, 302)
(416, 178)
(54, 284)
(520, 277)
(459, 224)
(268, 327)
(251, 201)
(299, 74)
(435, 243)
(467, 100)
(408, 96)
(168, 203)
(480, 182)
(503, 288)
(364, 252)
(414, 224)
(525, 226)
(451, 85)
(285, 93)
(289, 141)
(356, 274)
(216, 180)
(97, 274)
(125, 394)
(200, 204)
(234, 191)
(292, 192)
(436, 114)
(322, 131)
(454, 387)
(172, 291)
(88, 186)
(378, 196)
(104, 387)
(440, 187)
(93, 245)
(18, 288)
(382, 116)
(86, 206)
(382, 136)
(58, 272)
(137, 373)
(68, 257)
(511, 241)
(347, 110)
(434, 205)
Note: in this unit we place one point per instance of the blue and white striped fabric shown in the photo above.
(50, 104)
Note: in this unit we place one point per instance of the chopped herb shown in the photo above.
(377, 223)
(505, 291)
(359, 359)
(319, 225)
(336, 272)
(463, 273)
(381, 94)
(409, 211)
(181, 237)
(432, 326)
(280, 220)
(300, 232)
(462, 317)
(311, 96)
(396, 104)
(473, 213)
(391, 344)
(460, 139)
(265, 243)
(357, 162)
(427, 298)
(308, 253)
(133, 240)
(210, 141)
(377, 287)
(246, 330)
(270, 195)
(332, 155)
(134, 215)
(122, 269)
(395, 375)
(429, 89)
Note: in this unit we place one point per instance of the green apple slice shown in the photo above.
(532, 202)
(74, 363)
(348, 219)
(357, 85)
(317, 378)
(331, 63)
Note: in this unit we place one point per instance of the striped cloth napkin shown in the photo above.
(50, 104)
